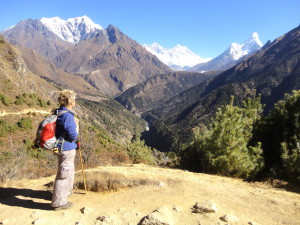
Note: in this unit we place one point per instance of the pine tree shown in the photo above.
(139, 152)
(224, 149)
(283, 125)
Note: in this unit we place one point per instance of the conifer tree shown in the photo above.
(139, 152)
(224, 149)
(283, 125)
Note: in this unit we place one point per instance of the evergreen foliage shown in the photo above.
(30, 99)
(5, 100)
(5, 128)
(224, 148)
(25, 123)
(19, 100)
(280, 135)
(139, 152)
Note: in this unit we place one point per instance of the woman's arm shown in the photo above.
(70, 128)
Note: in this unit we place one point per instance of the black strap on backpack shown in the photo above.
(61, 139)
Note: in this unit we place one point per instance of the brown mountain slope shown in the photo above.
(42, 67)
(127, 194)
(15, 76)
(157, 90)
(111, 61)
(34, 35)
(20, 91)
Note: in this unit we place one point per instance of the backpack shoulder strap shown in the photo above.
(61, 112)
(62, 138)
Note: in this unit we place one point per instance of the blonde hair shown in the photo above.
(66, 97)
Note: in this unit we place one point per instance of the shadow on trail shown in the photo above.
(15, 197)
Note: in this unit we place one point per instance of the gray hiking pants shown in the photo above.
(64, 180)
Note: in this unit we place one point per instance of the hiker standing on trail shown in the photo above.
(67, 133)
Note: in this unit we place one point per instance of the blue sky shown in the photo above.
(207, 27)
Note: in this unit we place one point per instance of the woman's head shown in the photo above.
(67, 98)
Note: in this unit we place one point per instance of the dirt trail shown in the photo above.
(25, 111)
(140, 189)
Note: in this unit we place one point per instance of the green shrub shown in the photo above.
(5, 100)
(281, 138)
(37, 153)
(32, 96)
(139, 152)
(20, 100)
(41, 102)
(25, 123)
(3, 131)
(4, 128)
(223, 148)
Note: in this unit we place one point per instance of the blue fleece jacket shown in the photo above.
(66, 127)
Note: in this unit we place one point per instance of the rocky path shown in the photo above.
(144, 195)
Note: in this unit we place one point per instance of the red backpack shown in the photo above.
(45, 135)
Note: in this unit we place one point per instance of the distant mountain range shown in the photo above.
(75, 30)
(105, 58)
(272, 71)
(182, 58)
(178, 58)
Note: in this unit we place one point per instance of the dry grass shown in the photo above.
(98, 181)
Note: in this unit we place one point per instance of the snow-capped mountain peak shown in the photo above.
(155, 48)
(231, 55)
(236, 51)
(73, 29)
(78, 21)
(255, 38)
(176, 57)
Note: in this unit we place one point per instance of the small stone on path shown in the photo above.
(229, 218)
(6, 221)
(85, 210)
(205, 207)
(39, 221)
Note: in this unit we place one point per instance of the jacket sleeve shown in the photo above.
(70, 128)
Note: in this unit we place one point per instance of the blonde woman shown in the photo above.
(67, 133)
